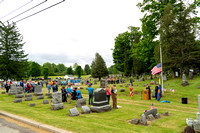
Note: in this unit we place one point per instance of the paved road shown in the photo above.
(7, 127)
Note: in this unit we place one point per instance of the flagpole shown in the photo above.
(162, 68)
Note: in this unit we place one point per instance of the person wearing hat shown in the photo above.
(90, 90)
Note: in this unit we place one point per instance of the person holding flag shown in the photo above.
(131, 90)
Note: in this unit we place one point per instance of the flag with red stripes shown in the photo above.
(156, 69)
(131, 90)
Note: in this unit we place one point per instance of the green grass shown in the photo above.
(116, 120)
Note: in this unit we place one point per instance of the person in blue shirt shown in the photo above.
(69, 93)
(90, 90)
(78, 93)
(49, 87)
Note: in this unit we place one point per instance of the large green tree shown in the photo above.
(98, 67)
(87, 69)
(78, 71)
(70, 71)
(49, 65)
(178, 38)
(13, 61)
(45, 72)
(35, 69)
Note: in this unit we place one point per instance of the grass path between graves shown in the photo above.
(116, 120)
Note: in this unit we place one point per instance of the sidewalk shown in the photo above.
(34, 123)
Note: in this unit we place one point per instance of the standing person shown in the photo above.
(78, 93)
(156, 91)
(108, 93)
(56, 86)
(90, 90)
(25, 86)
(148, 88)
(28, 88)
(64, 93)
(114, 96)
(69, 94)
(49, 87)
(7, 86)
(74, 94)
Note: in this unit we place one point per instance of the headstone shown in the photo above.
(28, 97)
(38, 90)
(48, 94)
(166, 113)
(151, 111)
(189, 122)
(3, 92)
(190, 75)
(199, 87)
(40, 97)
(196, 125)
(57, 101)
(85, 110)
(184, 81)
(122, 90)
(120, 85)
(157, 116)
(17, 100)
(164, 77)
(103, 83)
(176, 74)
(100, 103)
(150, 117)
(143, 120)
(95, 82)
(73, 112)
(19, 95)
(142, 79)
(135, 121)
(45, 101)
(32, 105)
(137, 77)
(50, 97)
(80, 102)
(13, 89)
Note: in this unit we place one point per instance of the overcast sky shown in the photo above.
(72, 31)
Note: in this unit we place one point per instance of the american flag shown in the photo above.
(131, 90)
(157, 69)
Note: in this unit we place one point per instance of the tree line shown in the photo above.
(173, 26)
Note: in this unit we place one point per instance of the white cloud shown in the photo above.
(73, 31)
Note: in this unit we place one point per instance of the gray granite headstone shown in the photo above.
(143, 120)
(32, 105)
(166, 113)
(150, 117)
(19, 95)
(40, 97)
(189, 122)
(28, 98)
(100, 103)
(3, 92)
(45, 101)
(157, 116)
(73, 112)
(38, 90)
(122, 90)
(184, 81)
(142, 79)
(190, 75)
(196, 125)
(48, 94)
(28, 95)
(135, 121)
(164, 77)
(80, 102)
(19, 90)
(13, 89)
(103, 83)
(151, 111)
(17, 100)
(57, 101)
(85, 110)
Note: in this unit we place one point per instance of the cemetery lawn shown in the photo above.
(116, 120)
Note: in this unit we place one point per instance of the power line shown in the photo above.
(27, 10)
(16, 9)
(40, 11)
